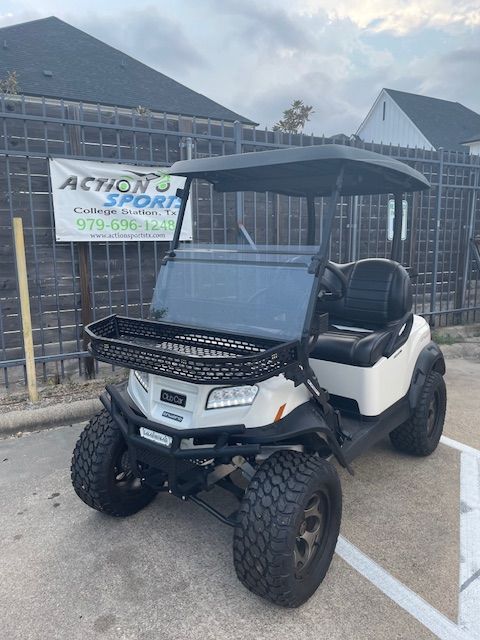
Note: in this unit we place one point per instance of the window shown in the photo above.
(384, 109)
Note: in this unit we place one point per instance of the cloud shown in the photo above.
(265, 24)
(148, 35)
(305, 57)
(257, 57)
(397, 17)
(334, 113)
(455, 76)
(22, 14)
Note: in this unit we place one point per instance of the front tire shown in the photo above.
(287, 529)
(420, 435)
(101, 473)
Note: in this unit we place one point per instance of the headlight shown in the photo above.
(142, 378)
(231, 396)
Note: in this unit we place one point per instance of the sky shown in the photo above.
(257, 56)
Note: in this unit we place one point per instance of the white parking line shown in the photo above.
(416, 606)
(454, 444)
(469, 595)
(469, 587)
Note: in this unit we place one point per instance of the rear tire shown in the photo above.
(101, 473)
(420, 435)
(288, 526)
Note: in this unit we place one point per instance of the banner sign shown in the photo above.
(99, 201)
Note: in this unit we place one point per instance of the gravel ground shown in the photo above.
(54, 394)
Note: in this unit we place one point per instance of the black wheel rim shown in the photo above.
(123, 477)
(432, 415)
(311, 533)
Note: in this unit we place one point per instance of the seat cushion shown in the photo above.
(346, 346)
(378, 292)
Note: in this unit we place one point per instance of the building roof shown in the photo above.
(445, 124)
(475, 138)
(53, 59)
(301, 171)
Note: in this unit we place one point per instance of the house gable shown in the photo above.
(387, 123)
(446, 124)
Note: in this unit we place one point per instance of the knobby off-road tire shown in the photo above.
(100, 471)
(292, 498)
(420, 435)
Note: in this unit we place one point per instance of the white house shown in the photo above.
(473, 144)
(408, 119)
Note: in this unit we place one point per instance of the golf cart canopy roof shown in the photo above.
(305, 171)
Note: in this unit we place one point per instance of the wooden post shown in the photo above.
(25, 308)
(86, 310)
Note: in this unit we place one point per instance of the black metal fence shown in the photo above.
(442, 223)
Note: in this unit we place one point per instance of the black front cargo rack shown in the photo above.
(187, 353)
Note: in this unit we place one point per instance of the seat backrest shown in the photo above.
(378, 292)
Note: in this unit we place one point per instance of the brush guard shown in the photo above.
(189, 354)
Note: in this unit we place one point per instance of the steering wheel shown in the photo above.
(333, 290)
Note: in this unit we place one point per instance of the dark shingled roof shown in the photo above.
(445, 124)
(475, 138)
(86, 69)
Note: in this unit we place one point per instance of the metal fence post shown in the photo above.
(436, 237)
(464, 269)
(189, 145)
(237, 136)
(353, 248)
(186, 145)
(84, 265)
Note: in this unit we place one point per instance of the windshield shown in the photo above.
(236, 290)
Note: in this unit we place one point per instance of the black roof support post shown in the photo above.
(329, 215)
(320, 259)
(181, 215)
(396, 252)
(311, 221)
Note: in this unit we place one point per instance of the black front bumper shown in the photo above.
(177, 468)
(130, 420)
(181, 468)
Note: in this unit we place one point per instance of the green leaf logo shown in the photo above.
(123, 185)
(164, 183)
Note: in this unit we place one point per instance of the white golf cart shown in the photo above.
(260, 365)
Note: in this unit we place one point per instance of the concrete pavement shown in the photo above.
(69, 572)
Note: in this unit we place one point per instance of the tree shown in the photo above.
(294, 118)
(143, 111)
(9, 84)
